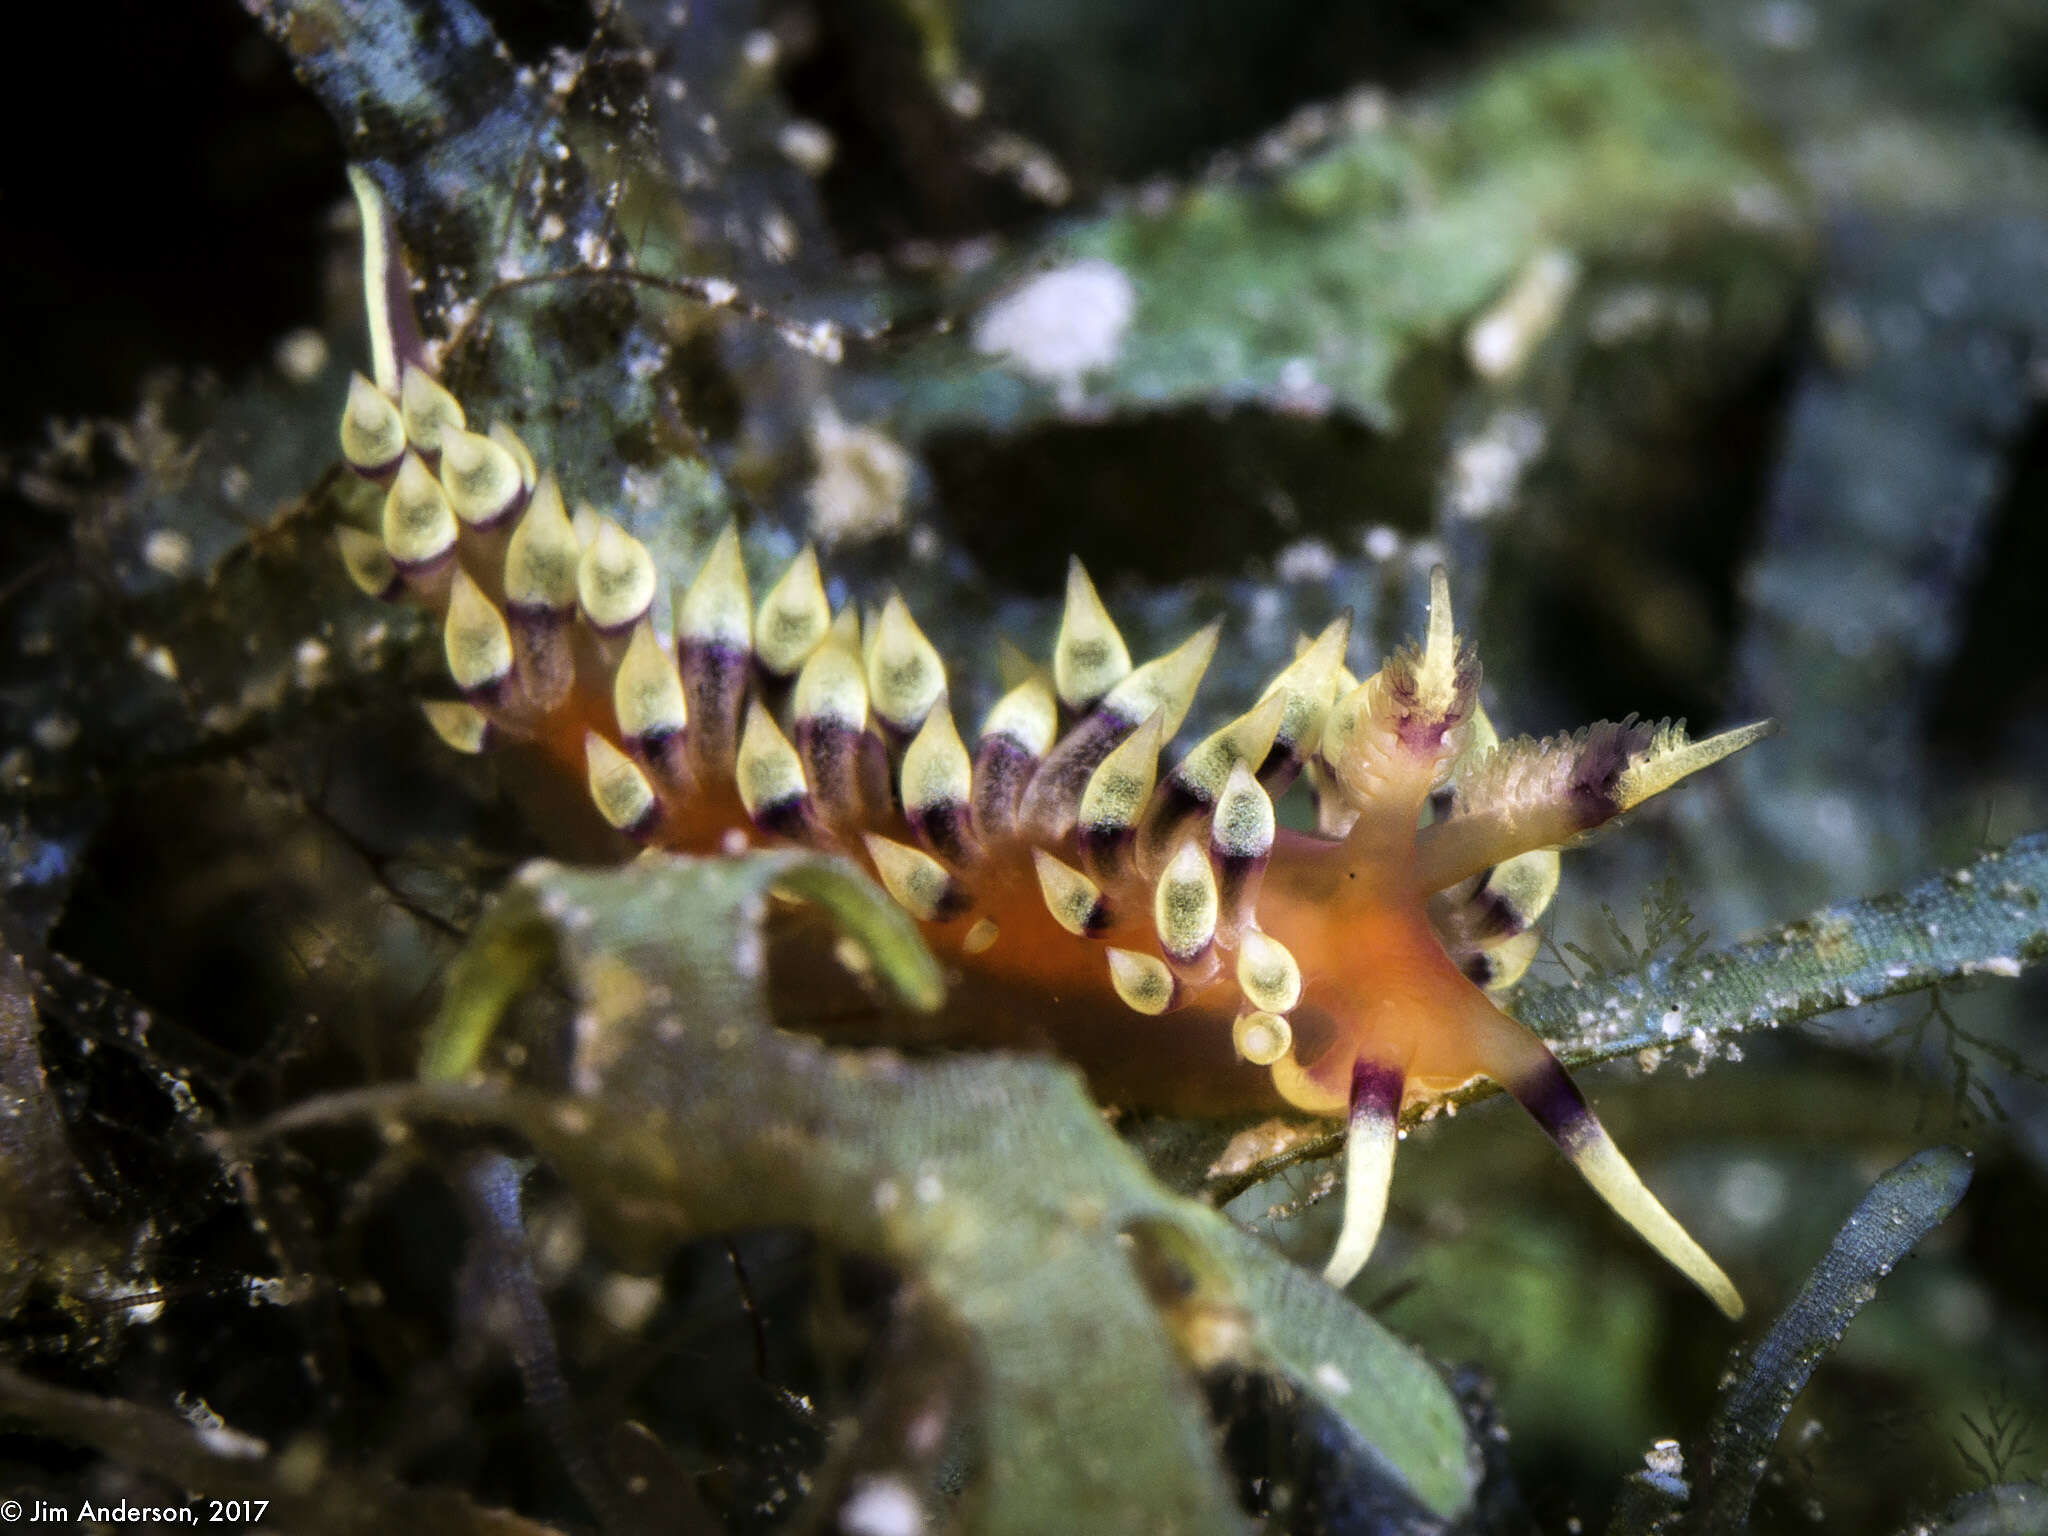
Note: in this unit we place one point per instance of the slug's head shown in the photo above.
(1391, 739)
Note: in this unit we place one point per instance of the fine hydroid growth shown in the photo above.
(1058, 864)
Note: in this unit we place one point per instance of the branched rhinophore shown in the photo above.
(1057, 865)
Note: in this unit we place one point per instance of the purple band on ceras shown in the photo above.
(545, 660)
(1003, 767)
(715, 680)
(831, 752)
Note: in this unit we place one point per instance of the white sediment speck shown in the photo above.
(168, 552)
(881, 1506)
(1753, 1192)
(1501, 340)
(1486, 470)
(1061, 324)
(310, 660)
(626, 1302)
(1306, 560)
(54, 732)
(862, 483)
(806, 145)
(1381, 543)
(302, 355)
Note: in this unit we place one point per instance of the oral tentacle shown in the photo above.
(1526, 795)
(1543, 1087)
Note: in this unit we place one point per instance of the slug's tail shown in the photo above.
(1527, 1069)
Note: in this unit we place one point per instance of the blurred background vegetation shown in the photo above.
(1707, 343)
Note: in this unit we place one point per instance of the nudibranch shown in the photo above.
(1057, 861)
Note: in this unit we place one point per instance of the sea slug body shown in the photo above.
(1062, 869)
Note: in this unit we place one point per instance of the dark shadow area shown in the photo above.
(169, 209)
(1182, 493)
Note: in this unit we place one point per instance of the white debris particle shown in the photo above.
(928, 1189)
(1061, 324)
(779, 240)
(824, 340)
(144, 1303)
(1029, 168)
(55, 732)
(1995, 965)
(1753, 1192)
(760, 50)
(1307, 560)
(1486, 471)
(1501, 340)
(718, 292)
(310, 660)
(234, 484)
(1040, 178)
(564, 70)
(881, 1506)
(154, 658)
(1251, 1147)
(862, 482)
(626, 1302)
(302, 355)
(1673, 1023)
(1664, 1463)
(887, 1196)
(1331, 1379)
(1299, 392)
(168, 552)
(1381, 543)
(232, 1443)
(964, 96)
(1424, 554)
(572, 1120)
(550, 229)
(806, 145)
(214, 1433)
